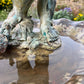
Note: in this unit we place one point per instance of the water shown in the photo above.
(63, 66)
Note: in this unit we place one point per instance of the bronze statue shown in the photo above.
(18, 26)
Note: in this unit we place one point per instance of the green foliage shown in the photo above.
(63, 14)
(3, 15)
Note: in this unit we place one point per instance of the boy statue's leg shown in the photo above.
(18, 13)
(45, 11)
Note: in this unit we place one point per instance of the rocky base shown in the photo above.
(65, 27)
(36, 42)
(73, 29)
(3, 43)
(22, 37)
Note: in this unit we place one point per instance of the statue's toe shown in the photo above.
(52, 35)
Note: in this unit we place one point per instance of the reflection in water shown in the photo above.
(26, 74)
(66, 62)
(38, 75)
(63, 66)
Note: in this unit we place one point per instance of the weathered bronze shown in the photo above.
(18, 28)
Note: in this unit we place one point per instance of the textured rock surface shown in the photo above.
(23, 36)
(65, 27)
(3, 43)
(73, 29)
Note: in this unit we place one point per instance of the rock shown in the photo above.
(66, 27)
(73, 29)
(76, 79)
(22, 30)
(23, 36)
(3, 43)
